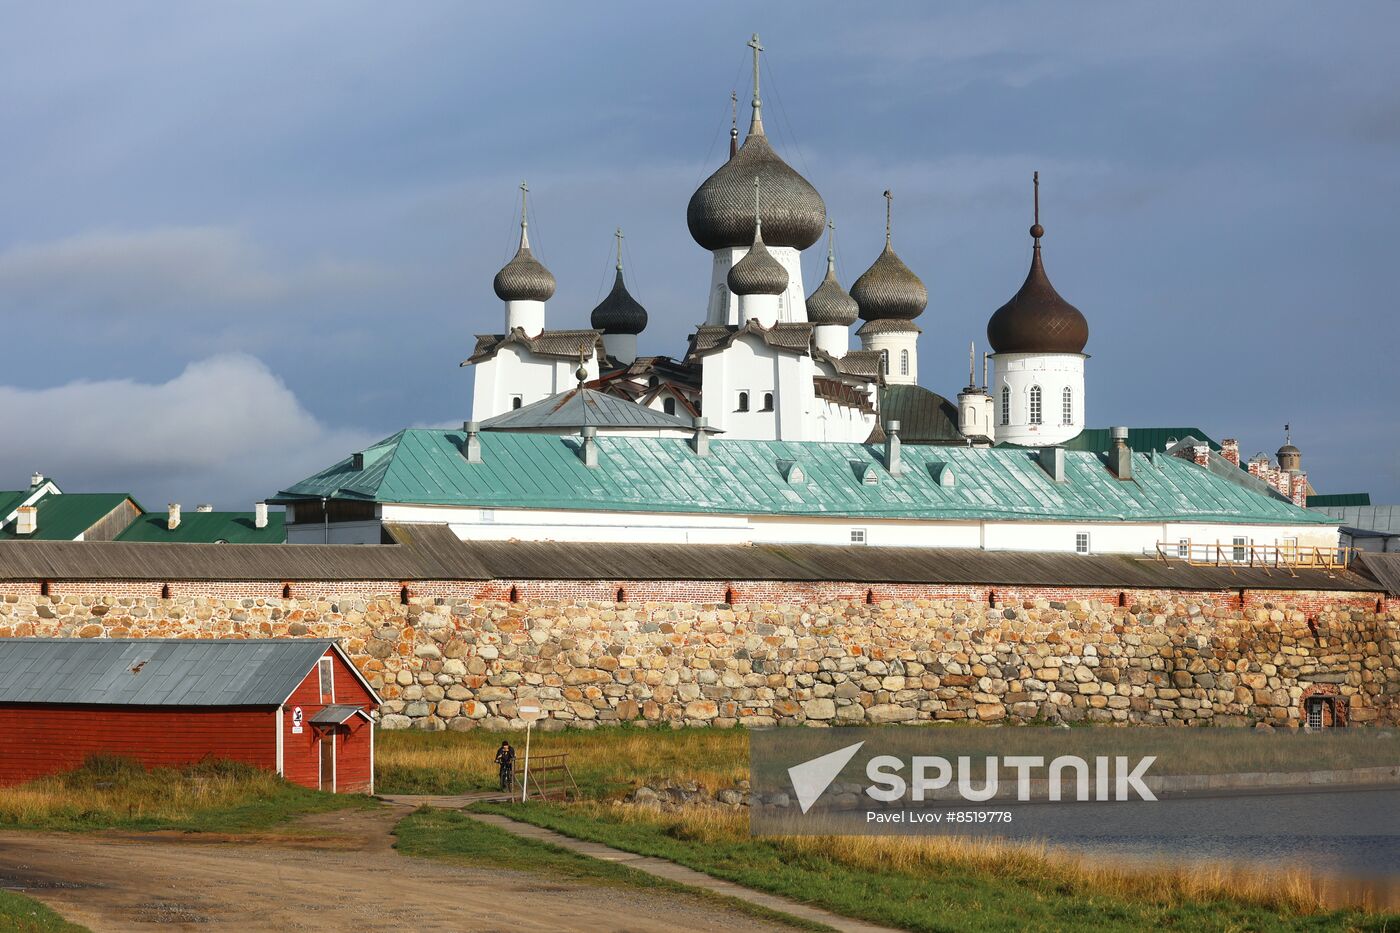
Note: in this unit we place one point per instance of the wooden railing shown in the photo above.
(549, 777)
(1284, 557)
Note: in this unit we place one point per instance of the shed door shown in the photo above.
(328, 761)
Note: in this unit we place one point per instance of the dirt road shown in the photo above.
(348, 878)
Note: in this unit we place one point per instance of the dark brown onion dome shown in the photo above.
(758, 273)
(1037, 319)
(889, 289)
(720, 213)
(524, 278)
(830, 304)
(619, 313)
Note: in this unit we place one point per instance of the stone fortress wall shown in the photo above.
(454, 655)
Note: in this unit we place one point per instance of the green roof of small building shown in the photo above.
(1338, 500)
(639, 474)
(1139, 439)
(924, 417)
(64, 517)
(11, 499)
(208, 528)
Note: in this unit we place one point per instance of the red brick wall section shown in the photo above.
(301, 753)
(36, 740)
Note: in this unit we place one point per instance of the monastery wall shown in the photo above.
(462, 655)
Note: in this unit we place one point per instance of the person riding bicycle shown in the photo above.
(505, 760)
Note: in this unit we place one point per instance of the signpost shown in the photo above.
(530, 714)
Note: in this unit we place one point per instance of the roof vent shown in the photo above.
(259, 514)
(36, 479)
(357, 461)
(26, 520)
(1052, 461)
(892, 459)
(792, 472)
(590, 447)
(942, 473)
(865, 473)
(472, 449)
(701, 442)
(1120, 458)
(172, 516)
(204, 507)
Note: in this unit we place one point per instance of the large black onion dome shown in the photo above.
(619, 313)
(1037, 319)
(524, 278)
(758, 273)
(889, 289)
(830, 304)
(720, 213)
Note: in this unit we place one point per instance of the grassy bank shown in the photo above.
(603, 761)
(454, 837)
(113, 793)
(20, 914)
(939, 883)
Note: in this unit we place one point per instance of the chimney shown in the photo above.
(590, 447)
(892, 458)
(172, 520)
(472, 451)
(1120, 458)
(36, 480)
(1052, 461)
(1259, 466)
(701, 442)
(1298, 491)
(204, 507)
(259, 514)
(27, 520)
(1230, 450)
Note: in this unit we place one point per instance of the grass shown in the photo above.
(452, 836)
(939, 883)
(603, 761)
(116, 793)
(20, 914)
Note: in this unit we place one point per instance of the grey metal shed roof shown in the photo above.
(582, 407)
(335, 715)
(155, 671)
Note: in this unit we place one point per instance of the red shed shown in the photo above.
(296, 706)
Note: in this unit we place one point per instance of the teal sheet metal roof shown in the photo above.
(208, 528)
(11, 499)
(746, 477)
(64, 517)
(1139, 439)
(1339, 500)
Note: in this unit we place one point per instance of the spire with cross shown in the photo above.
(618, 234)
(733, 124)
(757, 218)
(889, 205)
(756, 126)
(1037, 231)
(524, 216)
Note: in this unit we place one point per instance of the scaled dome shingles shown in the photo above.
(720, 213)
(889, 290)
(1037, 319)
(758, 273)
(524, 278)
(619, 312)
(830, 303)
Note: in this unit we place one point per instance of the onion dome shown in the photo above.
(718, 214)
(830, 304)
(1037, 319)
(524, 278)
(619, 313)
(758, 273)
(889, 290)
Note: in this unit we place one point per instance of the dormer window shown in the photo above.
(516, 401)
(669, 406)
(743, 402)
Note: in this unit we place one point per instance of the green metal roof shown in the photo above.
(64, 517)
(1139, 439)
(1339, 500)
(924, 417)
(426, 466)
(208, 528)
(10, 499)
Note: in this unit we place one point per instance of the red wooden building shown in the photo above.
(296, 706)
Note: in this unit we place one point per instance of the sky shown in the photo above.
(240, 241)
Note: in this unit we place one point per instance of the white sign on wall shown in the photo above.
(297, 717)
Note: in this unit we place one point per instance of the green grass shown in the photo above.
(454, 837)
(984, 891)
(115, 793)
(20, 914)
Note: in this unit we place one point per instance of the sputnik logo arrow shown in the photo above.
(811, 778)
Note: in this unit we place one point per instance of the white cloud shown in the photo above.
(169, 269)
(225, 430)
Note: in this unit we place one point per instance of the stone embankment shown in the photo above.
(1146, 657)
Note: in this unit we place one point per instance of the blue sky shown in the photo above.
(238, 241)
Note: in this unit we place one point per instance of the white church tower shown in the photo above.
(890, 296)
(524, 284)
(830, 308)
(1037, 341)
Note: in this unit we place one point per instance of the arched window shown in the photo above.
(669, 406)
(743, 401)
(1005, 404)
(767, 401)
(904, 362)
(885, 361)
(516, 401)
(1067, 406)
(1035, 405)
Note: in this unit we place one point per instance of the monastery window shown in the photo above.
(858, 536)
(885, 361)
(325, 673)
(767, 401)
(668, 406)
(1183, 548)
(1239, 548)
(904, 362)
(488, 516)
(516, 401)
(1081, 542)
(1035, 405)
(1067, 406)
(1005, 405)
(743, 402)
